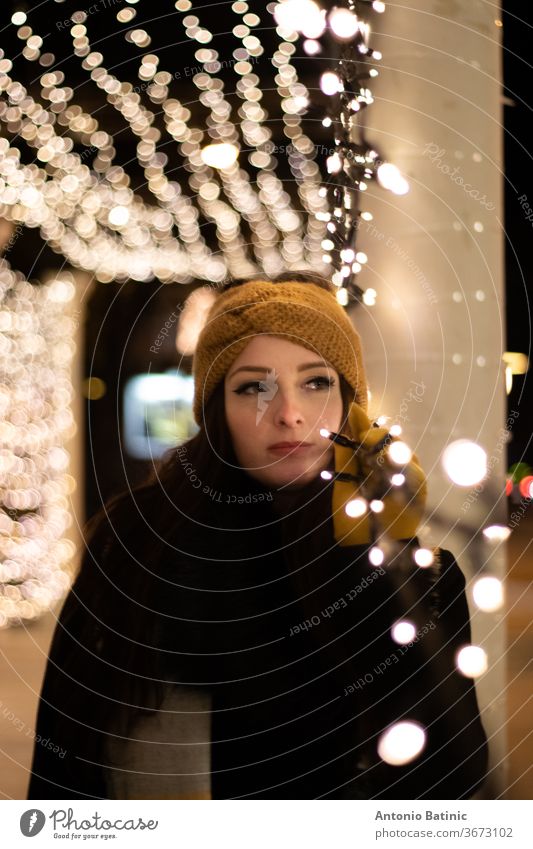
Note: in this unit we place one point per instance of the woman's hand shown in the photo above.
(401, 505)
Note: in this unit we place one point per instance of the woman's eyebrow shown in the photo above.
(303, 367)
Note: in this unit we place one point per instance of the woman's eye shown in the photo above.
(252, 384)
(327, 382)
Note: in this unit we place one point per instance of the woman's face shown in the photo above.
(279, 392)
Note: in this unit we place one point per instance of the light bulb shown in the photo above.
(342, 297)
(312, 47)
(343, 23)
(219, 155)
(403, 632)
(399, 453)
(401, 742)
(355, 508)
(330, 83)
(497, 533)
(423, 557)
(334, 163)
(471, 661)
(119, 215)
(488, 593)
(465, 462)
(376, 556)
(390, 178)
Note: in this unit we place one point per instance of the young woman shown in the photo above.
(229, 632)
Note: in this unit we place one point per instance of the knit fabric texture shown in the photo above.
(302, 313)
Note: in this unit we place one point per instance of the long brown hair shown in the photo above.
(107, 648)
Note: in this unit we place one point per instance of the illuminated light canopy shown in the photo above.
(488, 593)
(465, 462)
(72, 197)
(297, 15)
(220, 155)
(471, 661)
(401, 743)
(119, 216)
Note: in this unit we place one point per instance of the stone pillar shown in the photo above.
(435, 338)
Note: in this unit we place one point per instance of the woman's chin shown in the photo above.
(292, 479)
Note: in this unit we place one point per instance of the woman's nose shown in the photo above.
(287, 410)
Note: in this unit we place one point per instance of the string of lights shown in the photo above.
(84, 203)
(384, 464)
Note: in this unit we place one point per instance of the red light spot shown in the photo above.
(526, 487)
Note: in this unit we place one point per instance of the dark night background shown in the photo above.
(122, 316)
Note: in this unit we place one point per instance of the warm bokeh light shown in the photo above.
(401, 742)
(36, 421)
(465, 462)
(390, 177)
(488, 593)
(423, 557)
(471, 661)
(356, 507)
(403, 632)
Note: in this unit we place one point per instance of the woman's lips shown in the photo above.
(290, 447)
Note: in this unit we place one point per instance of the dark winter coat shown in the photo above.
(276, 644)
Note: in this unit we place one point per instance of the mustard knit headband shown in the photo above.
(302, 313)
